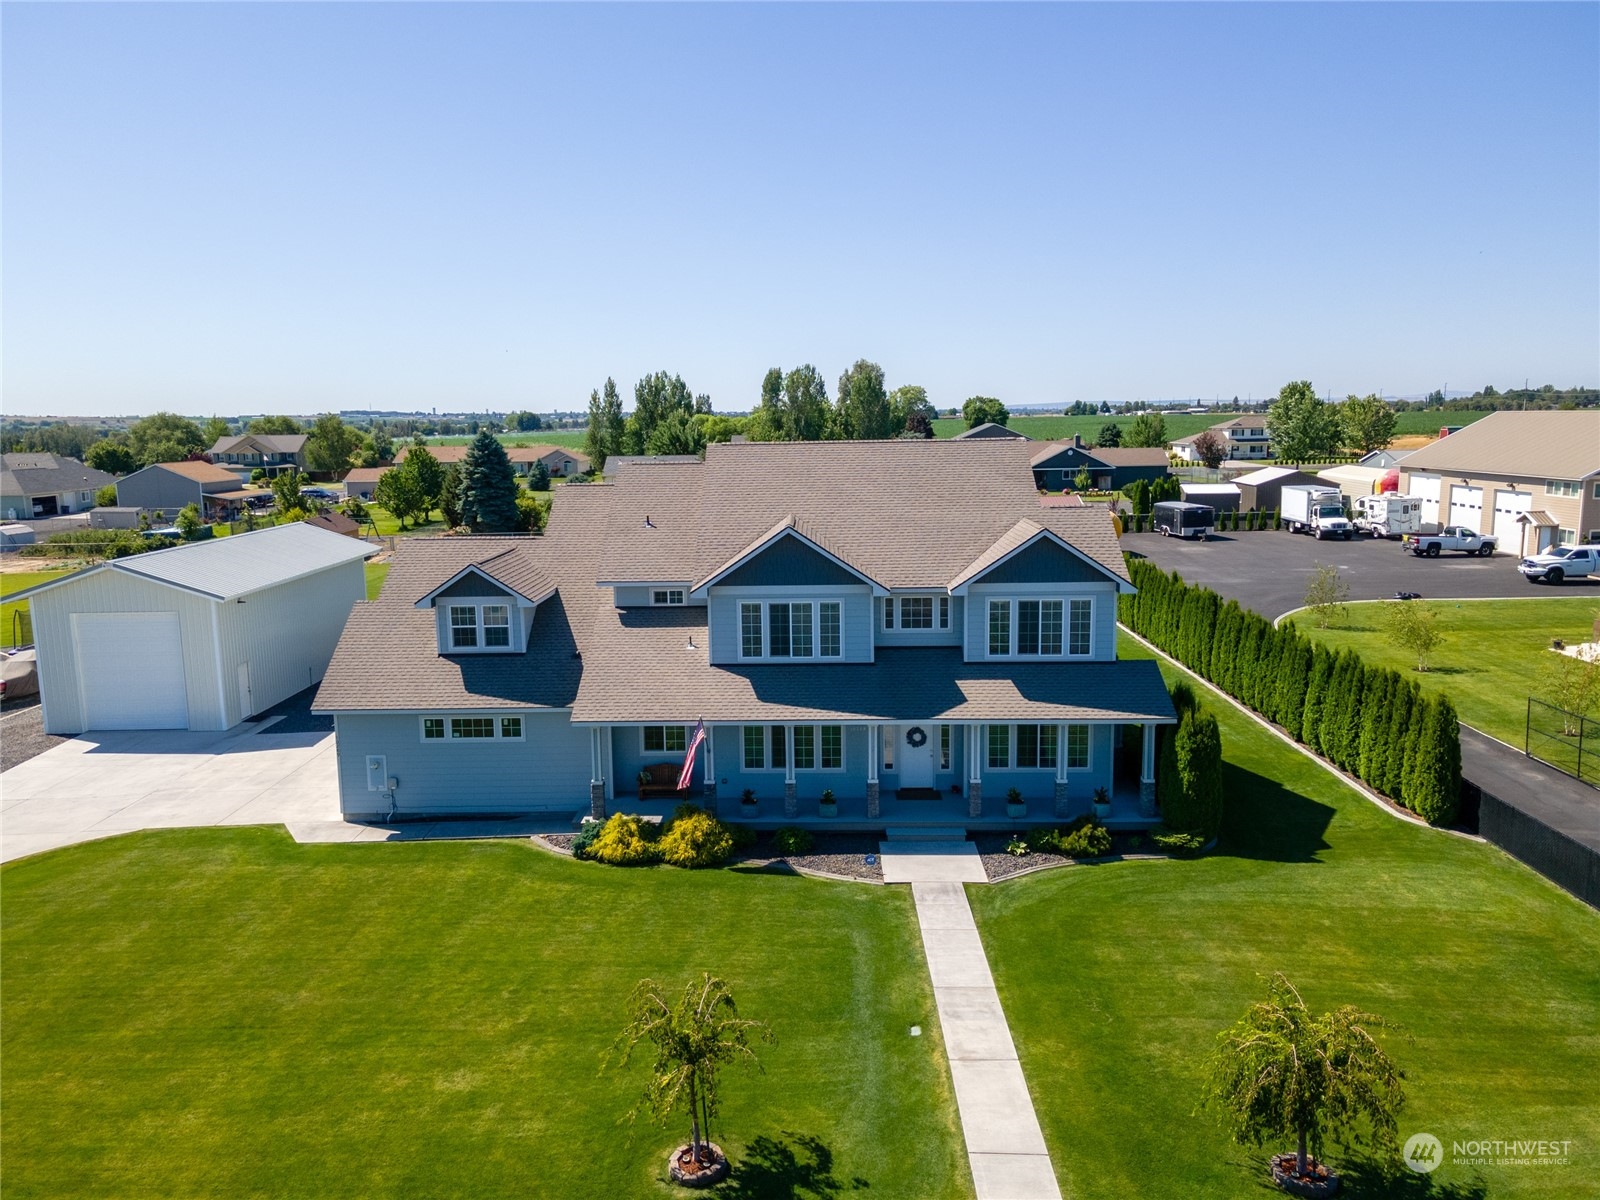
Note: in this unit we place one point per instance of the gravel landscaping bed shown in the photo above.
(22, 734)
(997, 864)
(841, 854)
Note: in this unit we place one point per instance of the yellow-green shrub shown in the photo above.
(696, 839)
(626, 841)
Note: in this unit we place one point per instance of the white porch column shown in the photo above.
(974, 770)
(874, 756)
(597, 773)
(709, 764)
(1061, 806)
(791, 804)
(1147, 771)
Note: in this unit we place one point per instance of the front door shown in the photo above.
(916, 760)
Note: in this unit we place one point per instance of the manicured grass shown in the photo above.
(11, 583)
(226, 1013)
(376, 574)
(1117, 978)
(388, 524)
(1493, 657)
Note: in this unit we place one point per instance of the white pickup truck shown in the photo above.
(1451, 537)
(1564, 562)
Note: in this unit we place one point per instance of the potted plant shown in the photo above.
(747, 802)
(827, 805)
(1015, 807)
(1102, 804)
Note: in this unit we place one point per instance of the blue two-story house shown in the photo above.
(900, 624)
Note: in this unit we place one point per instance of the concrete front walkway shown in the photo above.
(1004, 1143)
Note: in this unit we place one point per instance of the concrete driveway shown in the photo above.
(101, 784)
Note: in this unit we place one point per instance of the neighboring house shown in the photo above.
(558, 460)
(1530, 478)
(273, 453)
(615, 462)
(200, 636)
(1382, 458)
(1220, 497)
(1243, 437)
(46, 485)
(1056, 466)
(1354, 482)
(1262, 491)
(168, 487)
(990, 429)
(837, 621)
(335, 522)
(362, 481)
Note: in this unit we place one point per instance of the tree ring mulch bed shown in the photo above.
(686, 1172)
(1317, 1181)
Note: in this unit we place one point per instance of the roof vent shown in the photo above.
(648, 523)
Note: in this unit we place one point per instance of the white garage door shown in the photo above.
(1466, 507)
(1426, 489)
(1508, 505)
(130, 670)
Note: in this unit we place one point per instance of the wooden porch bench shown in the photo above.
(661, 779)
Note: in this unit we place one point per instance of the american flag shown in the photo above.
(687, 774)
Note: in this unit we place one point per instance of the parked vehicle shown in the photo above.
(317, 493)
(1451, 537)
(261, 502)
(1388, 515)
(19, 673)
(1563, 562)
(1178, 518)
(1317, 510)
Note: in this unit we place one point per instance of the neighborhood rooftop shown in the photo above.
(1537, 445)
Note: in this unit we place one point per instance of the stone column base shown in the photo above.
(1063, 805)
(1147, 797)
(974, 799)
(597, 801)
(791, 803)
(873, 807)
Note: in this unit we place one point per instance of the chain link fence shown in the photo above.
(1567, 741)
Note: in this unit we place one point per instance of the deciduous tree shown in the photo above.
(331, 445)
(1367, 423)
(983, 410)
(910, 412)
(1301, 426)
(1208, 444)
(1110, 435)
(274, 425)
(1413, 627)
(655, 397)
(165, 437)
(862, 408)
(114, 455)
(1326, 594)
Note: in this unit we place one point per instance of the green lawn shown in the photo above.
(11, 583)
(388, 525)
(226, 1013)
(1493, 655)
(376, 574)
(1117, 978)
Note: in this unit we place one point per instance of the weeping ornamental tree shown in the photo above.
(693, 1040)
(1281, 1072)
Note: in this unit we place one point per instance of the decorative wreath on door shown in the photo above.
(916, 736)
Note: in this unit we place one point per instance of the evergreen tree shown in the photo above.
(1332, 714)
(1435, 780)
(1405, 695)
(1169, 785)
(1351, 706)
(1317, 682)
(539, 480)
(488, 488)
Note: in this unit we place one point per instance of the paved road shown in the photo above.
(1268, 572)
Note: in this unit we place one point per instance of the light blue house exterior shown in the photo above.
(826, 653)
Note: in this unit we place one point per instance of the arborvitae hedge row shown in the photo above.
(1370, 721)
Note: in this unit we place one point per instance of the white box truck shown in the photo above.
(1316, 510)
(1388, 515)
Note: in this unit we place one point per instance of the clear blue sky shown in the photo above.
(295, 207)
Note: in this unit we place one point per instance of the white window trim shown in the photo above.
(513, 626)
(895, 613)
(816, 655)
(643, 749)
(1061, 746)
(766, 748)
(1066, 654)
(681, 592)
(446, 718)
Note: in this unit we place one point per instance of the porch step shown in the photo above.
(926, 833)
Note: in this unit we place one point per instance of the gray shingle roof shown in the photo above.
(910, 514)
(43, 474)
(1538, 445)
(641, 668)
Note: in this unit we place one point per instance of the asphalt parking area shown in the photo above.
(1269, 571)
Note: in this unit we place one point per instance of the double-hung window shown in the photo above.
(665, 739)
(790, 629)
(1040, 628)
(472, 625)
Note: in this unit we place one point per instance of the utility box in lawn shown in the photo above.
(1316, 510)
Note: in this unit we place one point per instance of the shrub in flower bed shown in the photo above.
(791, 839)
(1084, 838)
(695, 839)
(625, 841)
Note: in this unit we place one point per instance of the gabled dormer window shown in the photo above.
(479, 625)
(670, 596)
